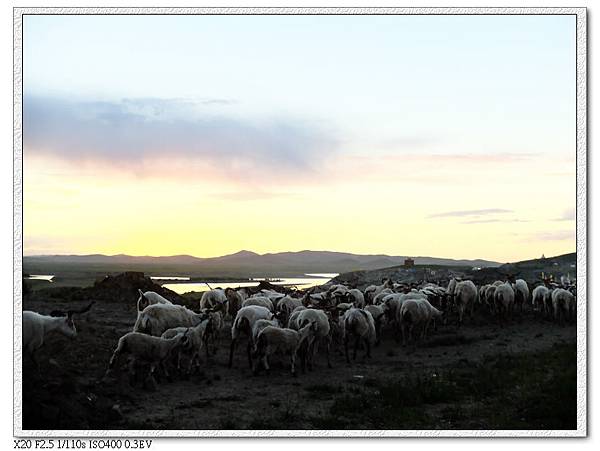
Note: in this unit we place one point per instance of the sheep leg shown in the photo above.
(231, 348)
(356, 343)
(293, 362)
(403, 329)
(328, 345)
(346, 348)
(35, 362)
(249, 352)
(368, 343)
(205, 340)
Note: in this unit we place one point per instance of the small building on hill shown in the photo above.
(409, 262)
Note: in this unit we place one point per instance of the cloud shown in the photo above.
(461, 213)
(485, 221)
(251, 195)
(559, 235)
(132, 132)
(568, 215)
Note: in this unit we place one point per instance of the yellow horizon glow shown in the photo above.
(84, 209)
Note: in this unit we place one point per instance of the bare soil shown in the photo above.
(71, 393)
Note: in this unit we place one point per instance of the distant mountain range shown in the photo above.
(247, 262)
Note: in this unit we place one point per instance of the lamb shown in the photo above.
(359, 324)
(563, 303)
(157, 318)
(261, 301)
(465, 295)
(36, 328)
(148, 349)
(244, 322)
(150, 298)
(321, 334)
(273, 339)
(212, 299)
(521, 293)
(260, 325)
(416, 312)
(198, 336)
(504, 298)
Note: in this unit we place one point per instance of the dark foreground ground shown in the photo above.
(521, 376)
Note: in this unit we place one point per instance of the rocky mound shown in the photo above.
(120, 288)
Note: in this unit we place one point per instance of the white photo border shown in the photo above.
(581, 216)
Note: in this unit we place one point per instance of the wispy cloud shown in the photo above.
(559, 235)
(131, 132)
(568, 215)
(462, 213)
(251, 195)
(485, 221)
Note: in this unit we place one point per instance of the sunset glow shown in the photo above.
(450, 136)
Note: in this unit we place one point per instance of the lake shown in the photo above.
(41, 277)
(304, 282)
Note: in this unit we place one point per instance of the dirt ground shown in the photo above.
(72, 394)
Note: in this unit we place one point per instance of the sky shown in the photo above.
(446, 136)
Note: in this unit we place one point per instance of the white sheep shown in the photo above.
(215, 331)
(261, 301)
(147, 349)
(243, 323)
(355, 297)
(563, 303)
(212, 299)
(504, 298)
(378, 298)
(391, 304)
(321, 335)
(234, 301)
(273, 339)
(451, 289)
(465, 294)
(150, 298)
(286, 306)
(359, 324)
(482, 290)
(157, 318)
(198, 338)
(373, 290)
(537, 298)
(489, 297)
(292, 321)
(378, 314)
(416, 313)
(261, 324)
(37, 327)
(521, 293)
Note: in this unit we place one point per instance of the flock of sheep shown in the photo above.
(298, 324)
